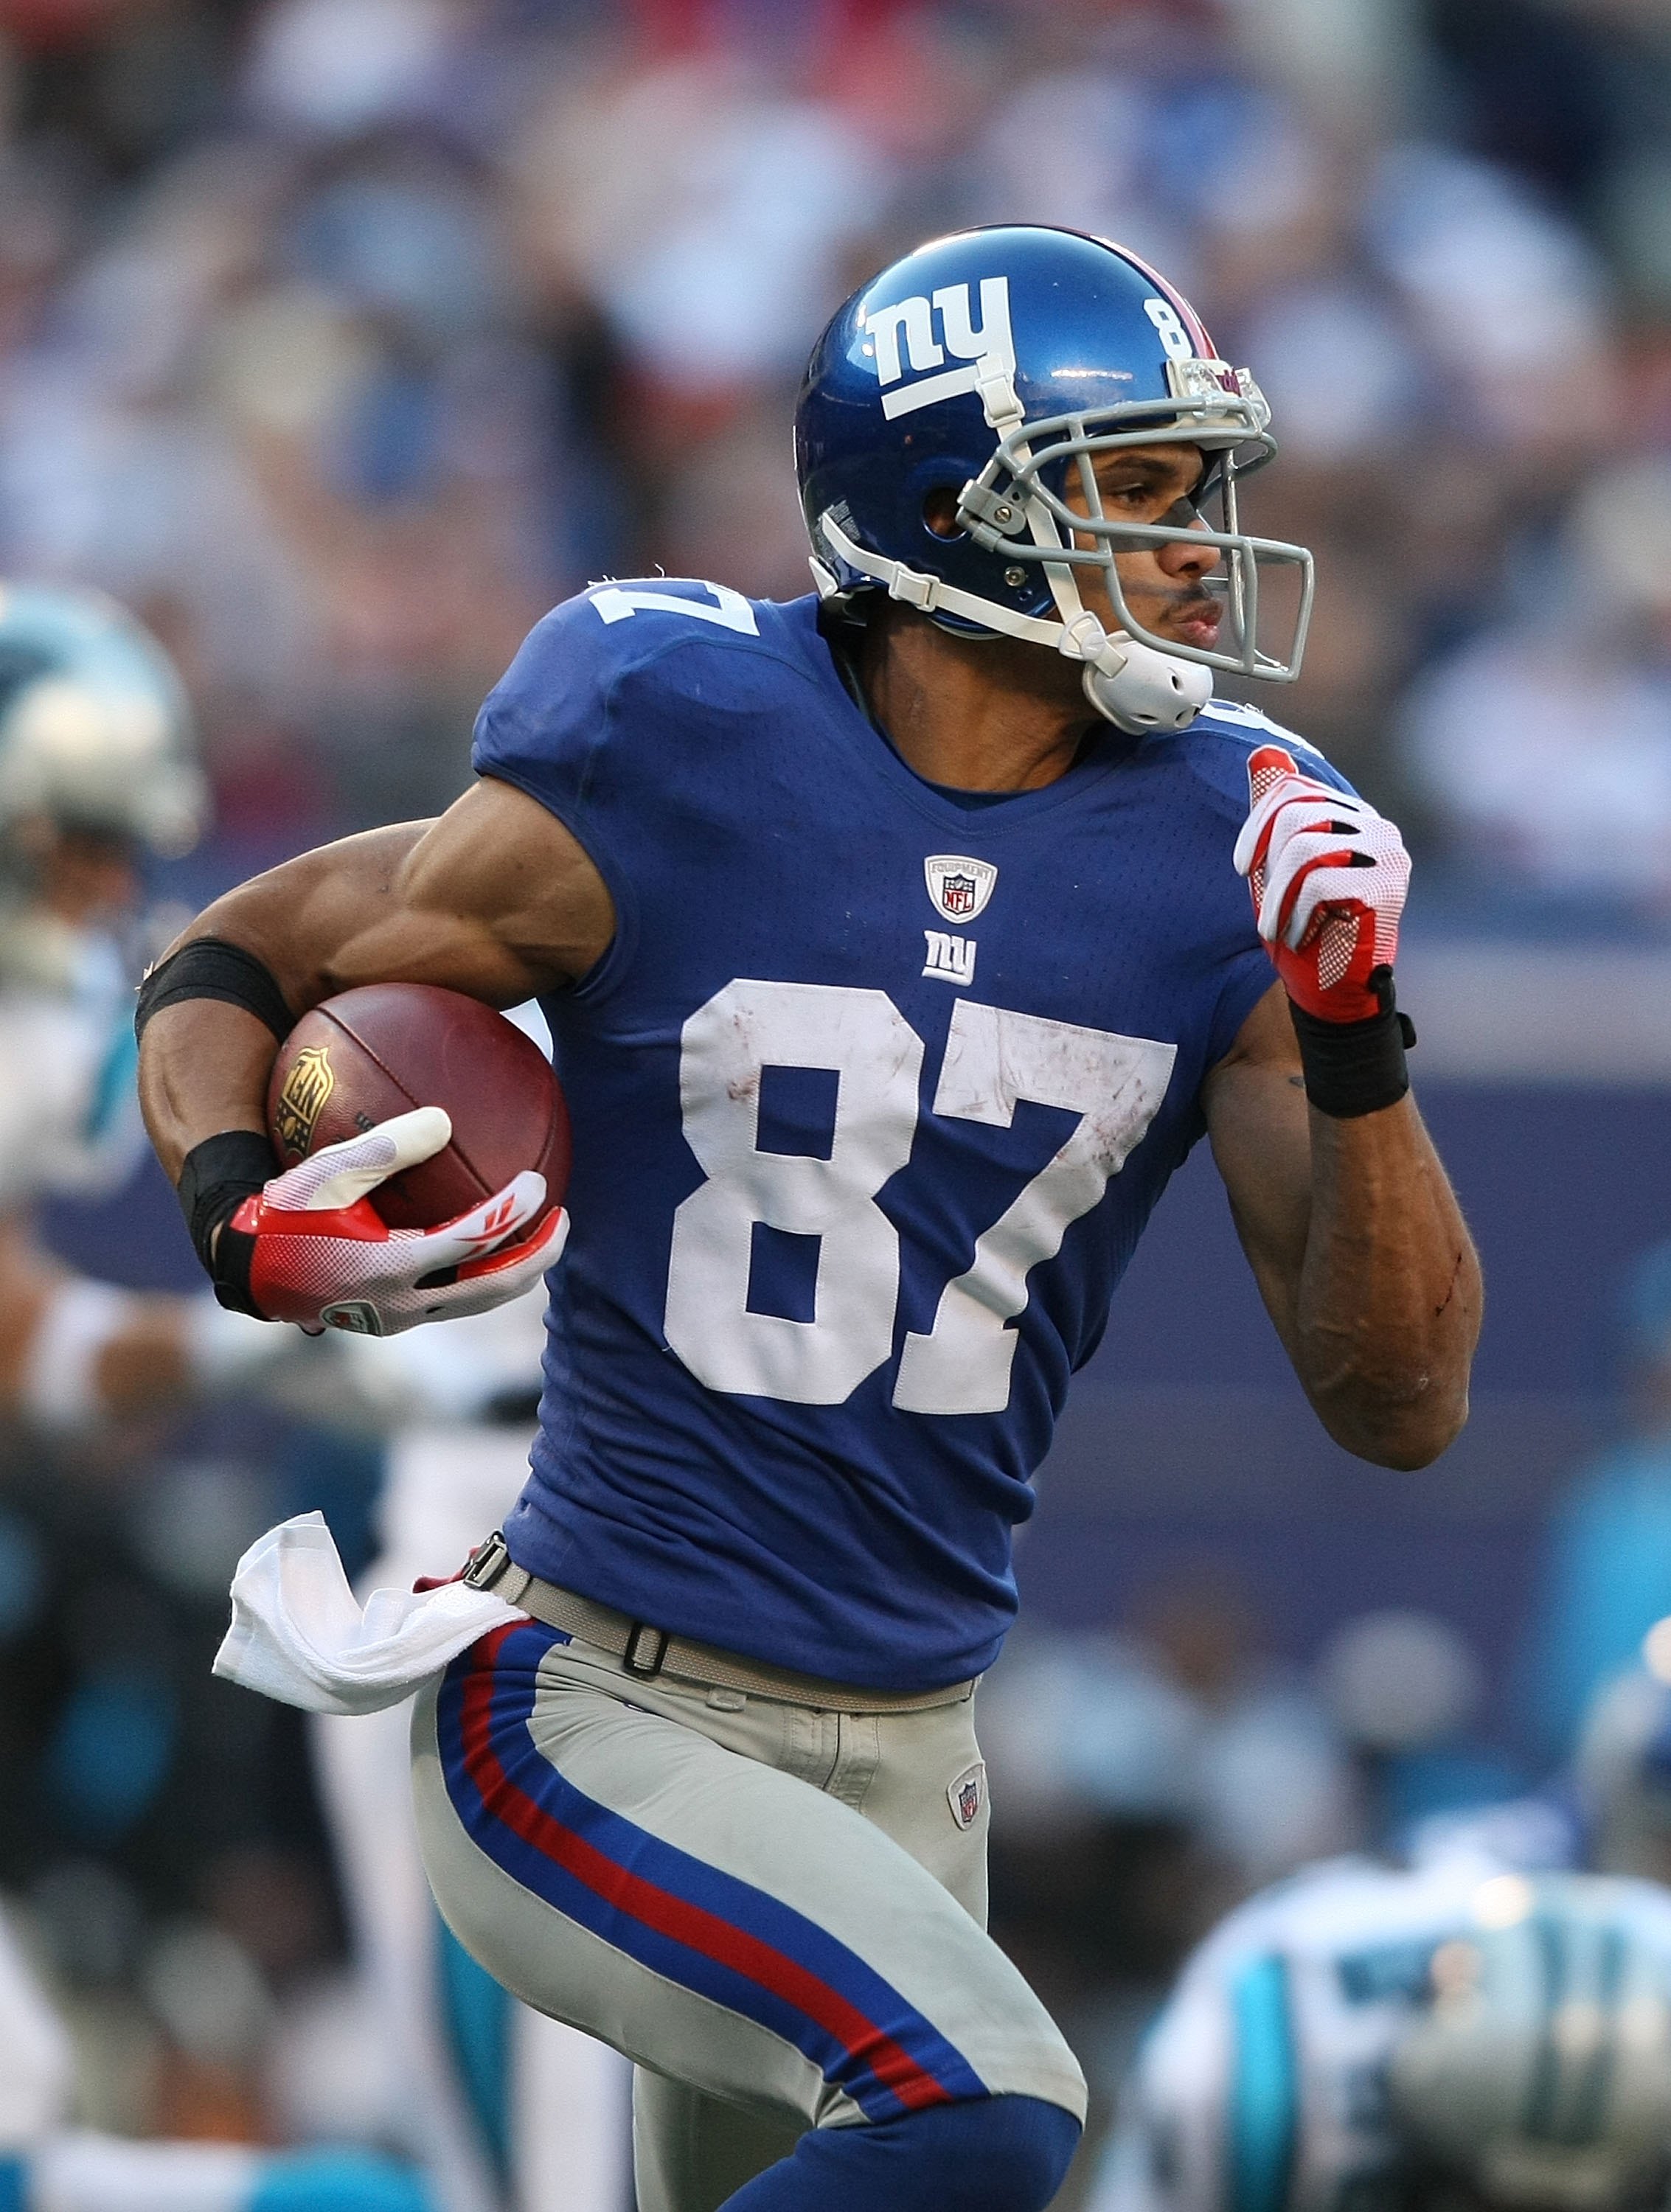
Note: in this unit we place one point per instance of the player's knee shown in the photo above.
(1011, 2154)
(1007, 2153)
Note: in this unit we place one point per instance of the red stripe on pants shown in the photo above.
(656, 1908)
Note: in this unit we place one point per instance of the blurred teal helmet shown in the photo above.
(1540, 2075)
(95, 728)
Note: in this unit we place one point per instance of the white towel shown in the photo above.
(299, 1634)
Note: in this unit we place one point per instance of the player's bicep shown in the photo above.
(1259, 1125)
(510, 891)
(494, 898)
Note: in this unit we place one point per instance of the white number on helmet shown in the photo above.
(1174, 337)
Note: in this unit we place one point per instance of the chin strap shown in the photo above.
(1150, 691)
(1129, 684)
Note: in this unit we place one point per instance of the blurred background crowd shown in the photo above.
(339, 338)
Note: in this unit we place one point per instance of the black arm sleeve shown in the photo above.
(210, 967)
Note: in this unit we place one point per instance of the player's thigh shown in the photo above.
(718, 1920)
(691, 2151)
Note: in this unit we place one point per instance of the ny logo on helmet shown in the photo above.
(989, 352)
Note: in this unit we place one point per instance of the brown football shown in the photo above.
(385, 1048)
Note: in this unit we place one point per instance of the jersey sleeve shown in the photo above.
(546, 727)
(596, 697)
(1247, 978)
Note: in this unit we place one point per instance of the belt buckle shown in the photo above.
(488, 1562)
(631, 1659)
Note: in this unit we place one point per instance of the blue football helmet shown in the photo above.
(998, 364)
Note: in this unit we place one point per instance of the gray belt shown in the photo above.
(646, 1652)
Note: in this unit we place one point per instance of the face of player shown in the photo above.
(82, 876)
(1165, 586)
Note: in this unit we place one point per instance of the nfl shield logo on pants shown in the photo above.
(968, 1793)
(958, 884)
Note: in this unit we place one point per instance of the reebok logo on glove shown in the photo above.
(323, 1258)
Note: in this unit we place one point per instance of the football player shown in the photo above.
(97, 769)
(1621, 1771)
(506, 2110)
(893, 950)
(46, 2165)
(1443, 2037)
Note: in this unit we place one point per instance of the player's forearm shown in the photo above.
(1385, 1311)
(496, 899)
(316, 921)
(322, 923)
(203, 1068)
(203, 1064)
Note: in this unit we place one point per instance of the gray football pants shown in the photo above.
(776, 1910)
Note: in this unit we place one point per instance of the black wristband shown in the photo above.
(210, 967)
(1356, 1067)
(217, 1175)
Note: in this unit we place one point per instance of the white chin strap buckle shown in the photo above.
(1137, 689)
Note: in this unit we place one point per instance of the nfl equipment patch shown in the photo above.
(958, 885)
(968, 1793)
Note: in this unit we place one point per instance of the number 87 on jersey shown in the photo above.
(994, 1058)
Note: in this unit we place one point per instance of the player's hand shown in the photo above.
(323, 1258)
(1328, 877)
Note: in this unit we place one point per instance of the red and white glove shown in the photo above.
(1328, 877)
(322, 1258)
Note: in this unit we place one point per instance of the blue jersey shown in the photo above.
(872, 1094)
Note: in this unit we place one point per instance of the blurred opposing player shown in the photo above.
(506, 2110)
(48, 2165)
(1411, 2041)
(97, 769)
(894, 953)
(1622, 1770)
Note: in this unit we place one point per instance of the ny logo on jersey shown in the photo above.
(958, 885)
(951, 958)
(989, 352)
